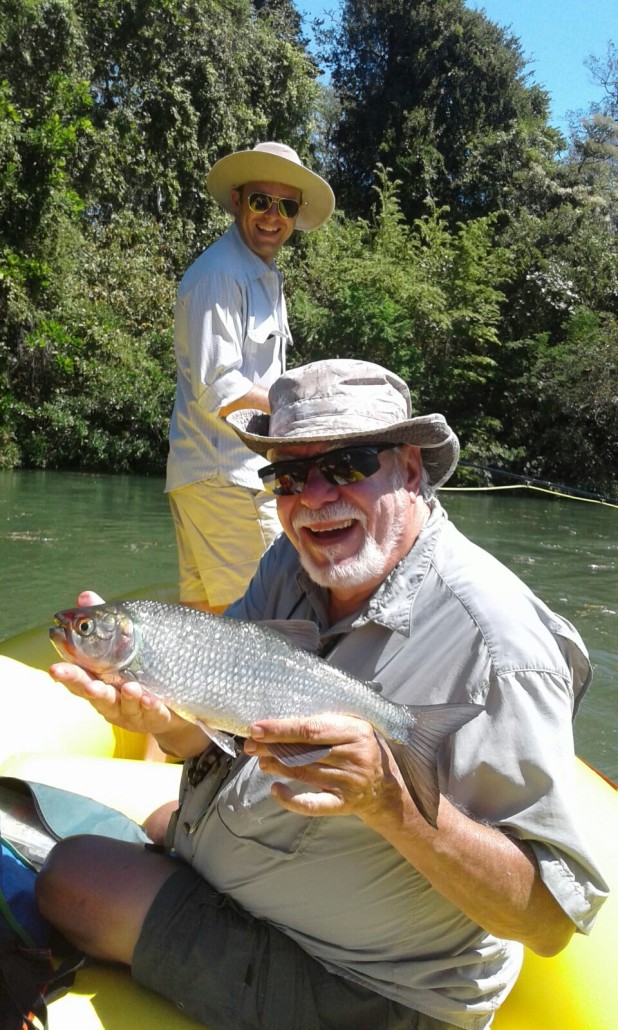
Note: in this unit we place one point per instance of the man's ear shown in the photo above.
(413, 467)
(236, 196)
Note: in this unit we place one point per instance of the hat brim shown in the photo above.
(431, 433)
(235, 170)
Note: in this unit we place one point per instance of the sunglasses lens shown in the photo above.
(288, 208)
(341, 468)
(283, 482)
(259, 203)
(287, 484)
(351, 467)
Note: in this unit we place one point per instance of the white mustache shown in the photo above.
(339, 511)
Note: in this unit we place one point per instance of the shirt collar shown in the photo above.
(254, 264)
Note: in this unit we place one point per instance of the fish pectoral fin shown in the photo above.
(301, 632)
(299, 754)
(223, 740)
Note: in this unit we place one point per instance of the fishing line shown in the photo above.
(570, 493)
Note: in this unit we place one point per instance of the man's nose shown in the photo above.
(317, 490)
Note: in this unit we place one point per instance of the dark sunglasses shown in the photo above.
(259, 203)
(341, 468)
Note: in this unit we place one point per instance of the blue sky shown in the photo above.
(557, 36)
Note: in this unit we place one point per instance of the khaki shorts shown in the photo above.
(222, 531)
(233, 972)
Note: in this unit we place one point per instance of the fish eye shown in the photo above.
(85, 627)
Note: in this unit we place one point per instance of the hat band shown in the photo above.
(314, 418)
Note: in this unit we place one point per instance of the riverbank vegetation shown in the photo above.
(473, 249)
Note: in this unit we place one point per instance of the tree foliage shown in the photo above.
(473, 250)
(565, 398)
(110, 117)
(423, 300)
(438, 93)
(173, 85)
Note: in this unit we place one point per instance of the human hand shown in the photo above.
(357, 777)
(126, 705)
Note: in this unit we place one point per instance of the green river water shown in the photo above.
(62, 532)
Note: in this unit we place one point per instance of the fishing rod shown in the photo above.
(530, 483)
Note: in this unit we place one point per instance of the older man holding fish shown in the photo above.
(307, 886)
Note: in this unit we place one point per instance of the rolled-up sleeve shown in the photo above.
(517, 770)
(215, 340)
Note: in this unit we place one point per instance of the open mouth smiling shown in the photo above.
(326, 533)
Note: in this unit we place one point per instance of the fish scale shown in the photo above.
(226, 674)
(252, 659)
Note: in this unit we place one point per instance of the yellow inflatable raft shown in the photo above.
(49, 736)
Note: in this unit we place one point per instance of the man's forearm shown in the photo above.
(491, 877)
(183, 741)
(256, 397)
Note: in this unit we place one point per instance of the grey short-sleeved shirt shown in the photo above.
(449, 624)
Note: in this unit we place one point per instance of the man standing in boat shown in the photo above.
(230, 335)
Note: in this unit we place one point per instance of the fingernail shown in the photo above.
(257, 732)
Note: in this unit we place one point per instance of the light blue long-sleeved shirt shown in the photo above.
(230, 334)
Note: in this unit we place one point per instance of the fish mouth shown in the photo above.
(61, 633)
(62, 620)
(58, 637)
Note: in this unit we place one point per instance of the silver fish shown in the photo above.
(226, 674)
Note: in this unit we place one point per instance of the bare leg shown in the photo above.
(155, 825)
(97, 892)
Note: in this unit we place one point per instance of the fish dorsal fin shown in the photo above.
(301, 632)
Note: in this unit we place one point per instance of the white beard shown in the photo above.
(372, 562)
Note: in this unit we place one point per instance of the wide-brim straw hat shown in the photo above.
(273, 162)
(345, 401)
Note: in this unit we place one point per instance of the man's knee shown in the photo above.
(97, 890)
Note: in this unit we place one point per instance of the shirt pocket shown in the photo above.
(264, 359)
(248, 811)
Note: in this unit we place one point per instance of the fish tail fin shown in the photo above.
(417, 758)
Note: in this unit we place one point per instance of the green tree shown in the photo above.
(110, 117)
(591, 163)
(562, 408)
(423, 300)
(44, 133)
(177, 84)
(438, 93)
(562, 232)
